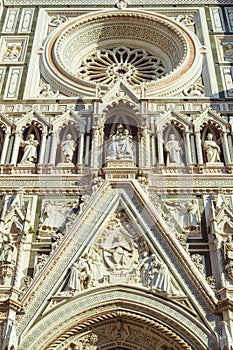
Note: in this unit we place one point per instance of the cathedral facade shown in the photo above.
(116, 185)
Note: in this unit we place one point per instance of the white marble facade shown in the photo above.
(116, 188)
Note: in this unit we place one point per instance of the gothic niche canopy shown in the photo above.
(157, 52)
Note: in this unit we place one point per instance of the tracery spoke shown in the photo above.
(107, 65)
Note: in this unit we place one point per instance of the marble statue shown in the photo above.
(144, 268)
(174, 151)
(154, 274)
(120, 146)
(192, 219)
(7, 250)
(228, 248)
(68, 148)
(159, 275)
(30, 150)
(80, 275)
(212, 150)
(121, 255)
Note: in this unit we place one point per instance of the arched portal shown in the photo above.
(117, 317)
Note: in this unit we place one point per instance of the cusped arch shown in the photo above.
(172, 117)
(122, 106)
(71, 118)
(210, 117)
(100, 309)
(32, 118)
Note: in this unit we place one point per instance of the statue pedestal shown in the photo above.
(65, 165)
(123, 169)
(120, 163)
(214, 165)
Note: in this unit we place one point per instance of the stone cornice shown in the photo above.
(110, 3)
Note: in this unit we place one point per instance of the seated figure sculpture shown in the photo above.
(30, 150)
(212, 150)
(120, 146)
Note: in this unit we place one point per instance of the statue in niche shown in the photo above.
(30, 150)
(212, 150)
(192, 217)
(120, 146)
(121, 255)
(174, 151)
(7, 250)
(80, 275)
(68, 148)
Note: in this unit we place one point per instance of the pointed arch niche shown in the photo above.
(126, 115)
(65, 132)
(173, 125)
(35, 129)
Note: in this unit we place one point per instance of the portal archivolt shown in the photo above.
(120, 330)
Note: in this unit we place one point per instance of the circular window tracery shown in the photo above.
(107, 65)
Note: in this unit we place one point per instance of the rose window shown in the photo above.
(135, 65)
(143, 48)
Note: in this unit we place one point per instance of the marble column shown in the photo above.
(80, 149)
(188, 148)
(53, 148)
(160, 148)
(226, 148)
(15, 150)
(199, 147)
(5, 147)
(146, 145)
(42, 148)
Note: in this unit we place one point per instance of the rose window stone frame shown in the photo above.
(172, 53)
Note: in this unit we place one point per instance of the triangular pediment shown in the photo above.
(122, 233)
(120, 91)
